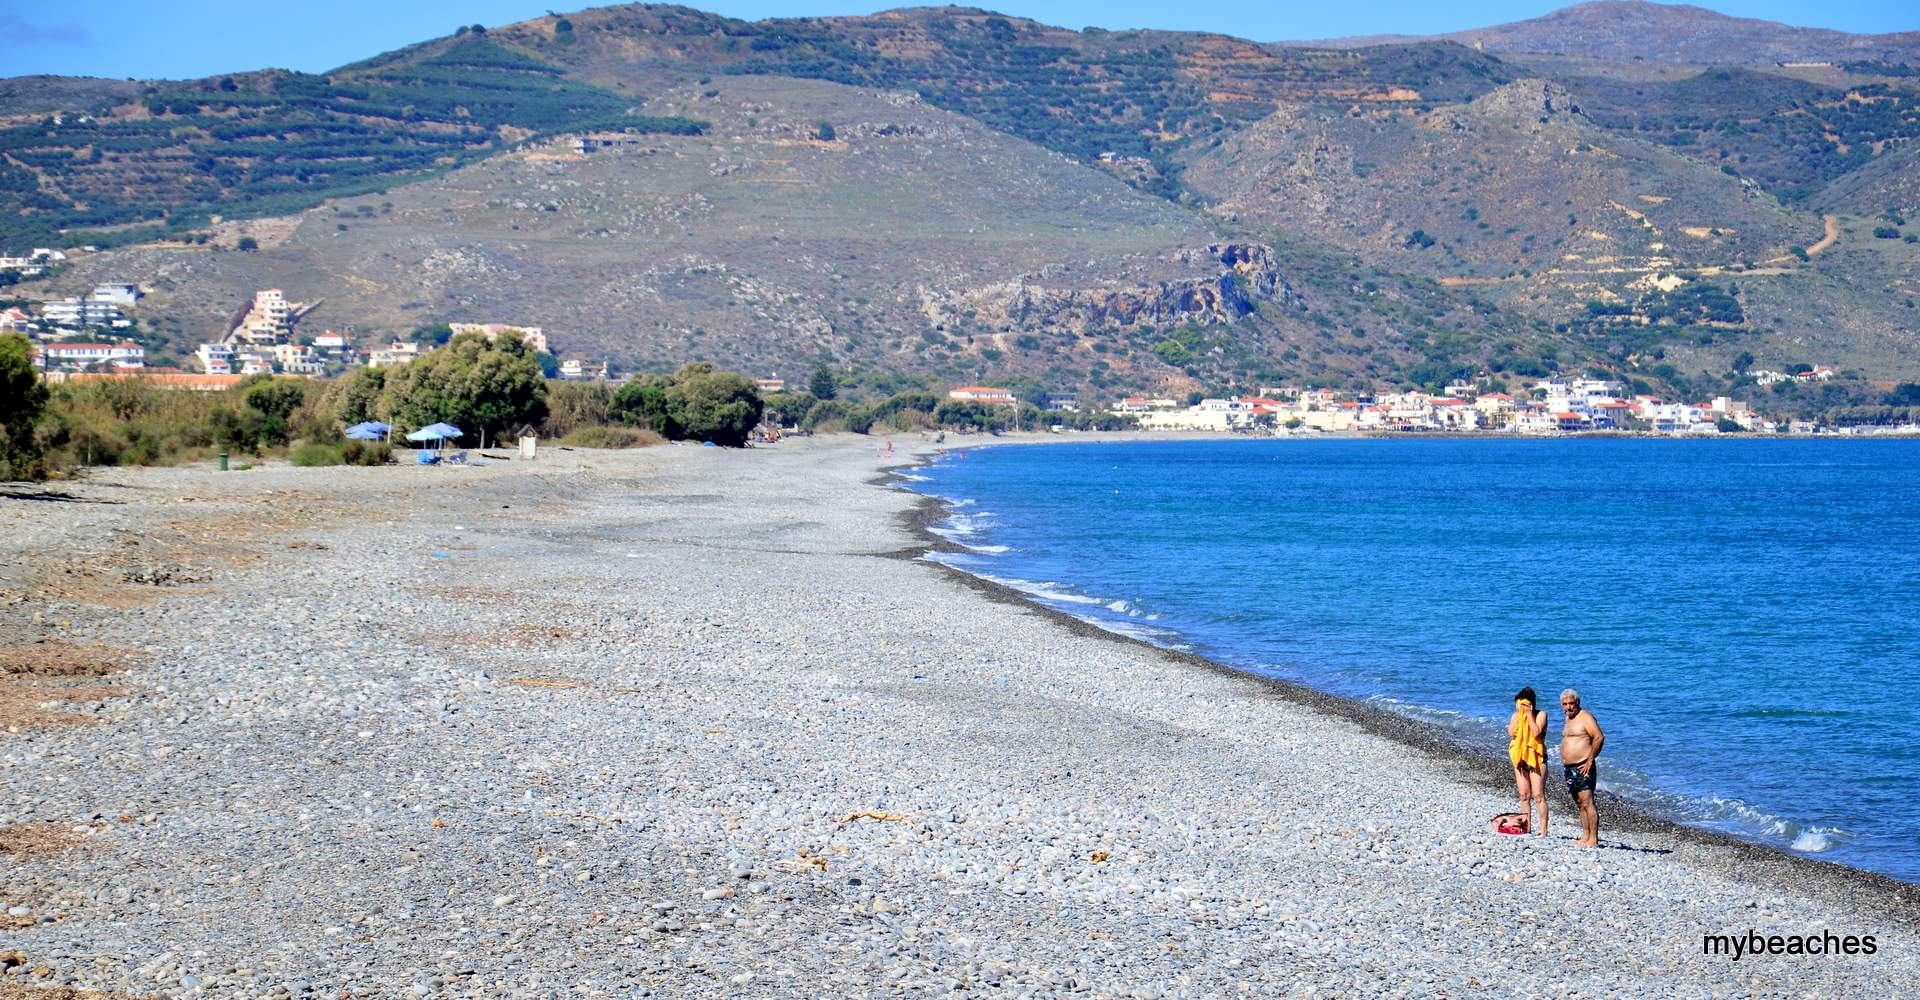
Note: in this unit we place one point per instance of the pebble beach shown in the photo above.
(703, 722)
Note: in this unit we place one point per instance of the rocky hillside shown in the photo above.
(912, 240)
(1627, 30)
(1516, 181)
(959, 194)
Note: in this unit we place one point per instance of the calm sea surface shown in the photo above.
(1743, 617)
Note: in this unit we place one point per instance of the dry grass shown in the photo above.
(60, 659)
(471, 595)
(58, 993)
(523, 636)
(30, 676)
(36, 840)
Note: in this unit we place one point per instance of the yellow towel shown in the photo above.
(1526, 748)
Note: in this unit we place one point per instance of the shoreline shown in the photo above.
(701, 721)
(1777, 868)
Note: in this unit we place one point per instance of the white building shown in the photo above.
(117, 293)
(125, 354)
(401, 352)
(82, 312)
(14, 318)
(1142, 404)
(981, 394)
(268, 319)
(296, 359)
(33, 264)
(215, 359)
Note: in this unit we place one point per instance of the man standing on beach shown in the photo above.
(1580, 742)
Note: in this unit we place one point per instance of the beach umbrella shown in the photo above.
(436, 432)
(370, 425)
(363, 434)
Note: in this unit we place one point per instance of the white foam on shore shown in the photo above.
(1726, 814)
(1814, 840)
(1714, 812)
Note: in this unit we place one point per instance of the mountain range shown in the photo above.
(1658, 192)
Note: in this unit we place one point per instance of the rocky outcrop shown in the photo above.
(1238, 276)
(1522, 102)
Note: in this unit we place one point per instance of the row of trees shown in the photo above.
(490, 389)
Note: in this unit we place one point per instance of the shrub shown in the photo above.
(612, 437)
(575, 405)
(314, 453)
(788, 408)
(826, 415)
(367, 453)
(643, 402)
(23, 401)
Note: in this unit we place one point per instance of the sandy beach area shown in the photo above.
(701, 722)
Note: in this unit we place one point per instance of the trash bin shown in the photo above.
(223, 461)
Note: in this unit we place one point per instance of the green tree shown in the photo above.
(823, 385)
(248, 243)
(788, 408)
(273, 402)
(642, 402)
(357, 395)
(483, 387)
(824, 130)
(714, 406)
(23, 401)
(436, 334)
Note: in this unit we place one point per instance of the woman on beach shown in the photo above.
(1527, 749)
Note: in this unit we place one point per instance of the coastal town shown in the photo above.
(89, 337)
(85, 338)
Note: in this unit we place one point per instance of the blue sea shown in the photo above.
(1742, 617)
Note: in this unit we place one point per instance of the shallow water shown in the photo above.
(1740, 616)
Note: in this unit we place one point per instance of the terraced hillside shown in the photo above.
(1792, 136)
(266, 143)
(953, 192)
(914, 240)
(1084, 93)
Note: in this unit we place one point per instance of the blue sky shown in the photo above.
(155, 38)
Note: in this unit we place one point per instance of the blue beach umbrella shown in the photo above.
(363, 434)
(436, 432)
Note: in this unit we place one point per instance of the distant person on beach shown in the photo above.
(1527, 749)
(1580, 742)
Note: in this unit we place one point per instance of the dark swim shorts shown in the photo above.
(1577, 782)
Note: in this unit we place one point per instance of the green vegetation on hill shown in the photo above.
(1790, 136)
(1475, 209)
(278, 142)
(1138, 94)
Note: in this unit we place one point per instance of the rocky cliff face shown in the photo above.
(1238, 277)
